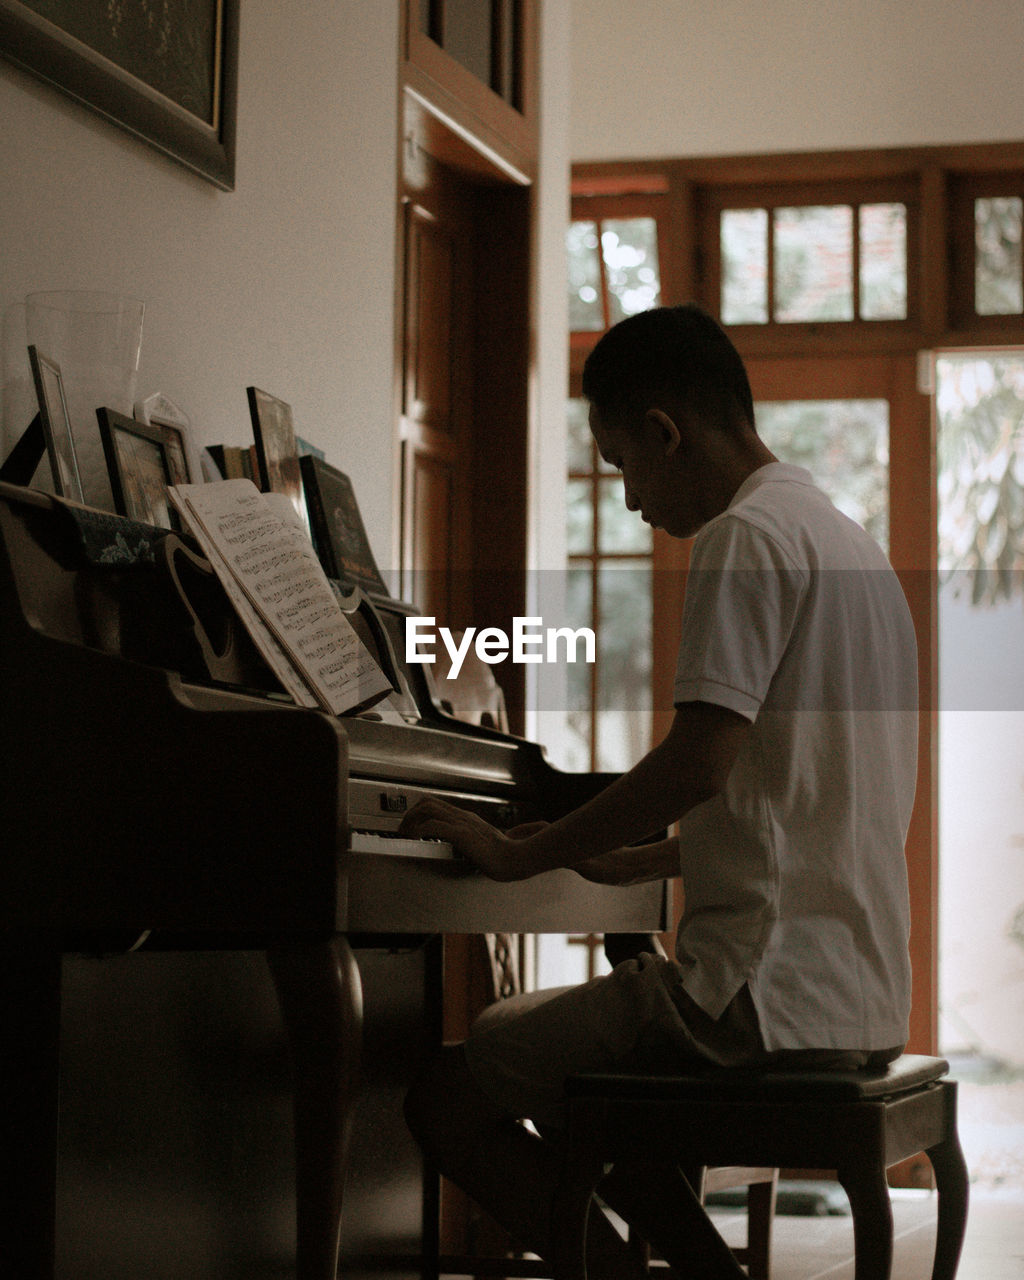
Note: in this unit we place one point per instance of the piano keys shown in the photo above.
(159, 793)
(391, 846)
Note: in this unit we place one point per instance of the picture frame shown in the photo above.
(56, 424)
(174, 85)
(137, 462)
(183, 457)
(177, 440)
(339, 535)
(276, 450)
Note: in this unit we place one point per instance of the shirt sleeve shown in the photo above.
(743, 596)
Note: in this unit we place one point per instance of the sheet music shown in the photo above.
(272, 574)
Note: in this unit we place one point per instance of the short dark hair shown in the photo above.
(678, 355)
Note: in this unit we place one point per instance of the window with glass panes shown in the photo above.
(609, 590)
(817, 256)
(613, 273)
(814, 262)
(997, 264)
(484, 36)
(987, 270)
(820, 254)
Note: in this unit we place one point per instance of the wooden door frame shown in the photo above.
(494, 527)
(490, 554)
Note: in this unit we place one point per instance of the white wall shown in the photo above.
(548, 463)
(546, 683)
(657, 78)
(287, 282)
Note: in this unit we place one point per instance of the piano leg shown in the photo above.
(30, 976)
(320, 994)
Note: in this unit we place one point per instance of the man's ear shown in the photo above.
(667, 432)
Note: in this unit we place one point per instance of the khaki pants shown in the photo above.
(637, 1018)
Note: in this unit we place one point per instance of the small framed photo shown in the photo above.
(338, 532)
(276, 449)
(53, 412)
(179, 450)
(183, 458)
(137, 460)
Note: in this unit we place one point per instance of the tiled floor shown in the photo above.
(821, 1248)
(991, 1124)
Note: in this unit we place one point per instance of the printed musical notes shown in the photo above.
(272, 574)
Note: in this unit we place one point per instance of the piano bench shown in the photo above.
(857, 1123)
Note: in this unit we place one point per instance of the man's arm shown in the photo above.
(689, 766)
(635, 864)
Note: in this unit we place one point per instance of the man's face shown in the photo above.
(657, 481)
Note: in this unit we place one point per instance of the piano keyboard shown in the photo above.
(399, 846)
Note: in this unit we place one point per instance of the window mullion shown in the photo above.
(606, 306)
(770, 260)
(595, 560)
(855, 260)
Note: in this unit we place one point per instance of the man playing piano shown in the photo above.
(789, 768)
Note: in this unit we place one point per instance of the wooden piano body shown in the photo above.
(181, 823)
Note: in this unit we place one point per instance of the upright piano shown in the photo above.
(160, 796)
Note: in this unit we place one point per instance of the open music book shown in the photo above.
(272, 576)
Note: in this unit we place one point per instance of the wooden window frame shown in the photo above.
(938, 185)
(667, 212)
(506, 78)
(460, 119)
(592, 561)
(964, 190)
(775, 334)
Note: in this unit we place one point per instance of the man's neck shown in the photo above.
(738, 459)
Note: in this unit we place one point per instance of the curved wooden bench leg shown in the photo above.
(952, 1182)
(872, 1221)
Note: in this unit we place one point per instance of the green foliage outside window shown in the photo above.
(844, 444)
(981, 475)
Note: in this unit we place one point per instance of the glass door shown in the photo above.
(979, 397)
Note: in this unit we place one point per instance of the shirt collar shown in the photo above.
(772, 473)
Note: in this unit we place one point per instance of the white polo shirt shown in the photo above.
(795, 877)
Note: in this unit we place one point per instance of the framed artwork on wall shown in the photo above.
(171, 82)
